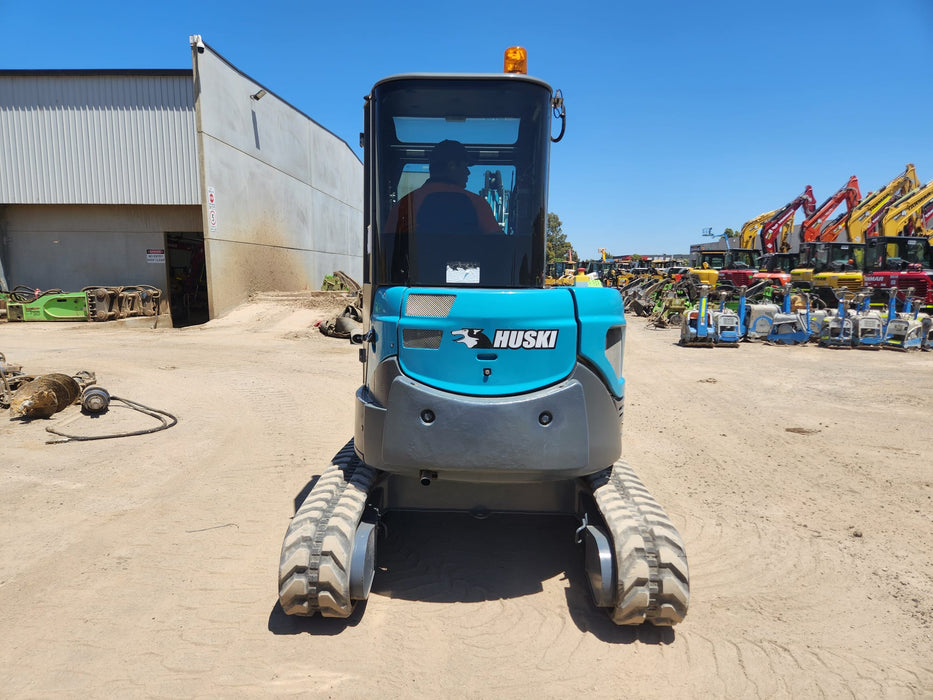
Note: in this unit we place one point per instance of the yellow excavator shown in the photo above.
(863, 220)
(752, 228)
(825, 266)
(911, 215)
(899, 255)
(708, 267)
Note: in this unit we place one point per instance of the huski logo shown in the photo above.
(473, 338)
(533, 339)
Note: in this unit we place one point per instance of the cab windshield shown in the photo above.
(744, 258)
(829, 257)
(897, 253)
(457, 181)
(716, 260)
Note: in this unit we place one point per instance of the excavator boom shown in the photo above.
(864, 218)
(814, 226)
(910, 215)
(752, 228)
(783, 220)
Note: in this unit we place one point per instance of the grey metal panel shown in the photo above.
(108, 138)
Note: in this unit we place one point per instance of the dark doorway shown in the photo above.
(187, 278)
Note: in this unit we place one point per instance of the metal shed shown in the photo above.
(178, 179)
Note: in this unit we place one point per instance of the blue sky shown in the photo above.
(681, 115)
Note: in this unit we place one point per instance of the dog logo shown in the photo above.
(473, 338)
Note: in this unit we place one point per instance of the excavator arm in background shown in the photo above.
(752, 228)
(783, 220)
(815, 228)
(863, 219)
(911, 215)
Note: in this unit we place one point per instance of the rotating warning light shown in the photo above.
(516, 60)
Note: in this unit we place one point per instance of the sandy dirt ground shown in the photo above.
(799, 477)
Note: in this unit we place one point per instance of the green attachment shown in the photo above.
(69, 306)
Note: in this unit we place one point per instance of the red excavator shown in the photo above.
(782, 221)
(816, 227)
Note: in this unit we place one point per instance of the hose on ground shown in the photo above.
(166, 419)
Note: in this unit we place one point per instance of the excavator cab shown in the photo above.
(827, 266)
(901, 262)
(482, 226)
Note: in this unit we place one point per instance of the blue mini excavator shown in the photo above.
(483, 391)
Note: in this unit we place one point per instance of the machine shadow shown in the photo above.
(455, 558)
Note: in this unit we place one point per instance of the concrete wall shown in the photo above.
(69, 247)
(287, 193)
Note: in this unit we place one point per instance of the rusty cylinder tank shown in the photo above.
(43, 396)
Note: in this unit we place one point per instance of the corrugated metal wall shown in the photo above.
(98, 138)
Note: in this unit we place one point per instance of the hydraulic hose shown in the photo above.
(166, 419)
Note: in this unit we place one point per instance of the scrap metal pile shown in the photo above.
(349, 322)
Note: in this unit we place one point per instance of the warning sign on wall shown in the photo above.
(211, 210)
(155, 255)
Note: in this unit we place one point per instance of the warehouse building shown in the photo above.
(201, 183)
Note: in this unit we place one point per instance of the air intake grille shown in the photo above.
(420, 338)
(431, 305)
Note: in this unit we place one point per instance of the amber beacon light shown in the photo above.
(516, 60)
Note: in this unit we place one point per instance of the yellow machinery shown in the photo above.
(706, 274)
(910, 215)
(775, 225)
(734, 267)
(560, 273)
(828, 265)
(752, 228)
(864, 217)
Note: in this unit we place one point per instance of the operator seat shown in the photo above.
(447, 212)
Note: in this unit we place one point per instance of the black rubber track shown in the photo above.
(652, 583)
(314, 570)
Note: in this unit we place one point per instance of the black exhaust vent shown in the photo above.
(421, 338)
